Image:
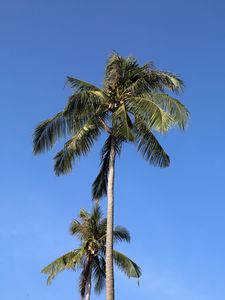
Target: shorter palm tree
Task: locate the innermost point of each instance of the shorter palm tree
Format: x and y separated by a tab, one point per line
90	256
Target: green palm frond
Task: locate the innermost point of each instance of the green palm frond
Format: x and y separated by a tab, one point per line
49	131
80	85
121	124
174	107
91	225
85	105
121	234
161	80
77	229
101	230
96	214
149	147
80	144
70	260
85	275
113	71
99	186
99	274
119	70
152	114
130	268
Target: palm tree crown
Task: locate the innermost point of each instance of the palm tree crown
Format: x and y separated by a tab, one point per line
130	106
90	229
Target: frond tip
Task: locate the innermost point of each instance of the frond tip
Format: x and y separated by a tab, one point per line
149	147
80	144
130	268
49	131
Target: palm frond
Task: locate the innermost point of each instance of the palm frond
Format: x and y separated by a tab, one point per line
137	81
130	268
82	106
121	234
149	147
80	144
121	124
174	107
77	229
96	214
85	276
80	85
119	70
153	115
99	273
49	131
113	71
161	80
99	186
70	260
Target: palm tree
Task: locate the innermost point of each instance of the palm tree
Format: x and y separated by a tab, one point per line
132	104
90	256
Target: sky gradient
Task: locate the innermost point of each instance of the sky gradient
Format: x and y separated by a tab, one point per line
176	216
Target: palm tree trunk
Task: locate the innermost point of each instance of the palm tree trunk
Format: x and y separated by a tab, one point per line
109	231
88	289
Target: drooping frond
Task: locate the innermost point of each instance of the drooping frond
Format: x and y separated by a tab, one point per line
80	144
99	273
80	85
161	80
85	276
70	260
149	147
130	268
121	234
137	80
174	107
49	131
85	104
99	186
152	114
121	124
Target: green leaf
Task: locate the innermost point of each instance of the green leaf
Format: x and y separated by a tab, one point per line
161	80
68	261
80	144
99	186
174	107
80	85
99	274
85	105
152	114
49	131
121	234
149	147
130	268
121	124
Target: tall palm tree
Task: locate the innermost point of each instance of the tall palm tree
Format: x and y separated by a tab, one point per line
90	256
131	105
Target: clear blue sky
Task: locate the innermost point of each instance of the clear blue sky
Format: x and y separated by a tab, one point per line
176	216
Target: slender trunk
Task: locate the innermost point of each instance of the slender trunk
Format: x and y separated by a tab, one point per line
110	219
88	289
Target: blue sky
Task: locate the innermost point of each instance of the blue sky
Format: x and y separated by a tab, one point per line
176	216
